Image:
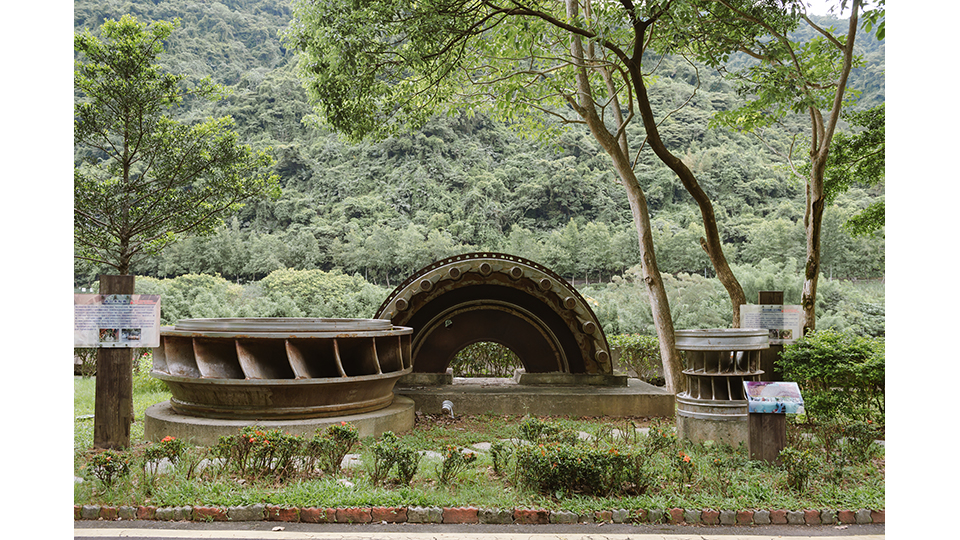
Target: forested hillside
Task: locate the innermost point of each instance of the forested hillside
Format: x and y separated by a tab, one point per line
382	209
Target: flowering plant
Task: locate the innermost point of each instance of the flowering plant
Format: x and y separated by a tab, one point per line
169	447
332	445
108	465
258	452
685	466
576	468
390	452
455	459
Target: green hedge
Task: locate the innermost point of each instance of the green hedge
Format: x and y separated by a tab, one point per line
841	375
639	354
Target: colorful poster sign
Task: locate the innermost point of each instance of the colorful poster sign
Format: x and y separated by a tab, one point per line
782	322
773	397
116	320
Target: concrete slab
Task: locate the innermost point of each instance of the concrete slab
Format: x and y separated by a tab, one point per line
160	420
503	396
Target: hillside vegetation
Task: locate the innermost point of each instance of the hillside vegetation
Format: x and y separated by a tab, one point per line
382	209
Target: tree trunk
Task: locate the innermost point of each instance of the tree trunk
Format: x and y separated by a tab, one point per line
113	401
813	227
816	201
672	364
659	305
711	243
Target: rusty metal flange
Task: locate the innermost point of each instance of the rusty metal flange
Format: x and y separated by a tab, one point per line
501	298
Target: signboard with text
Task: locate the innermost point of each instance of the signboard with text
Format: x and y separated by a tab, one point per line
783	322
116	320
773	397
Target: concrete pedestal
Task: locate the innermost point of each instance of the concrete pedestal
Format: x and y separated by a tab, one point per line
161	420
503	396
701	420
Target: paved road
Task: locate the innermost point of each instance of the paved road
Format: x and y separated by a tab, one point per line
148	530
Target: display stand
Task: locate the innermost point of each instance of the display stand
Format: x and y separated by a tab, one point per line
768	406
768	436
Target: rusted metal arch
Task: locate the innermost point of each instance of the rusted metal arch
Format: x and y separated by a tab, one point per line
510	300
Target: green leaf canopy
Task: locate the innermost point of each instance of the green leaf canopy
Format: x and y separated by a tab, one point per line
142	178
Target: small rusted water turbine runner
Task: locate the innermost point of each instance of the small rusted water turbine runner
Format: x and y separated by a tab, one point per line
281	368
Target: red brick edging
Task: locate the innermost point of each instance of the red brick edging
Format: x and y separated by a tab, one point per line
520	516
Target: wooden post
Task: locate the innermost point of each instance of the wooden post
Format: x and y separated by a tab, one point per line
768	436
769	356
113	402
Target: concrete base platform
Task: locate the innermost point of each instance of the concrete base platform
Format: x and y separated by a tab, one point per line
503	396
160	420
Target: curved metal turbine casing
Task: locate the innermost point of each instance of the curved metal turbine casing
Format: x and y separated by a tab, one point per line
501	298
281	368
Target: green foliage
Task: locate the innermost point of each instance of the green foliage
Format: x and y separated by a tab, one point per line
661	438
108	466
258	453
654	479
143	179
561	468
534	429
685	466
454	460
332	445
88	361
847	445
284	293
840	374
420	177
143	382
325	294
390	453
485	359
501	453
859	158
469	182
724	463
799	465
639	354
169	447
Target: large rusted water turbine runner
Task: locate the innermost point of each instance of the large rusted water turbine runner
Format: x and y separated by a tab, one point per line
281	368
504	299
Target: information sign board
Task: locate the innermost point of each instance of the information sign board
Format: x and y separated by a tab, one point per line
773	397
783	322
116	320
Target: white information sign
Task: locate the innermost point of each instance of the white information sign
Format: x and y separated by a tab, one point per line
116	320
783	322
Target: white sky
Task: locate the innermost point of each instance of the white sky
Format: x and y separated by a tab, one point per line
821	7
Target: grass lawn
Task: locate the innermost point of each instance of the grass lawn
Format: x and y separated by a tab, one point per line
714	477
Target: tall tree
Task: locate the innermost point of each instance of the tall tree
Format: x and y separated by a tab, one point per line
808	77
374	68
142	179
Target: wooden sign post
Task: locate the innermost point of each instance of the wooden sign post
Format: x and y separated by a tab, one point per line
113	402
768	436
768	357
768	404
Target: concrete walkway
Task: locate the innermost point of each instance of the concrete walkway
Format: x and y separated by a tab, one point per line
301	531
